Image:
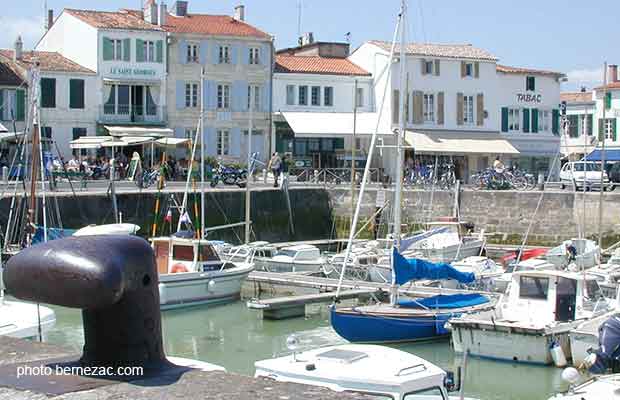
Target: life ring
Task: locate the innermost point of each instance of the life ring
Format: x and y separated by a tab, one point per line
176	268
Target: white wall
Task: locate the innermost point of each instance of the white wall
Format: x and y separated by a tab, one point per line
74	39
612	113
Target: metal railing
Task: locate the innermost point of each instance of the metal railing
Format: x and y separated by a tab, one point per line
127	113
334	176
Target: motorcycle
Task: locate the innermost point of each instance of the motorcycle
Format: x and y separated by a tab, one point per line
229	176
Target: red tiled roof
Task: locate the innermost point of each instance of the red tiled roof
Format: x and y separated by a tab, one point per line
317	65
610	85
221	25
517	70
9	74
439	50
576	97
48	61
123	19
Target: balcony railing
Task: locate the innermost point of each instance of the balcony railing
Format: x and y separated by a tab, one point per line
131	114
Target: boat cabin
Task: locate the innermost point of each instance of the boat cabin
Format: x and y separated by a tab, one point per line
179	255
248	252
546	296
302	252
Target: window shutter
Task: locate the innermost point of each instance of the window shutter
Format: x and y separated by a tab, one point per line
215	53
459	108
463	69
614	133
239	101
159	52
126	49
476	69
245	54
423	65
235	142
182	51
555	121
76	93
48	92
420	95
108	51
535	115
504	119
607	100
266	98
573	127
139	50
416	117
395	106
265	55
590	120
2	113
480	109
437	63
234	57
204	47
526	120
440	108
180	95
601	129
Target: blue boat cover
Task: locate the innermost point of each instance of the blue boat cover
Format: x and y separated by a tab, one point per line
406	270
608	353
446	301
610	155
52	234
407	242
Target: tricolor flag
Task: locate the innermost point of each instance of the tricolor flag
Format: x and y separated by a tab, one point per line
168	217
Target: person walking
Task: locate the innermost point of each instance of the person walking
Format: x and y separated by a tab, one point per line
275	163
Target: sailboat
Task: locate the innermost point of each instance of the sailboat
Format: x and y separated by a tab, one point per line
411	319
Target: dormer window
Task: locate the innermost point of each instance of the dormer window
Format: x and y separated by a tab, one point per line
469	69
530	83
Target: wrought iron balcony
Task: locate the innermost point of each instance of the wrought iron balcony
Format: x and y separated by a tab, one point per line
132	114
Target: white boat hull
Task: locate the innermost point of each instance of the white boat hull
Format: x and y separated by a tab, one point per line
196	288
287	267
20	320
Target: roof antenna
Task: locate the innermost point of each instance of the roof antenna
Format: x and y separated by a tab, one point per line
299	9
45	27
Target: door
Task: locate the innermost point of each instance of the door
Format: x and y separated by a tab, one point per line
565	298
161	257
137	103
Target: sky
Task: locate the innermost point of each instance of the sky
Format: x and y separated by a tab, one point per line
573	37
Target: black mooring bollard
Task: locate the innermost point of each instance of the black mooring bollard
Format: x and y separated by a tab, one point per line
113	279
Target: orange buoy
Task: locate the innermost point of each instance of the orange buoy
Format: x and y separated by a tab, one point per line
176	268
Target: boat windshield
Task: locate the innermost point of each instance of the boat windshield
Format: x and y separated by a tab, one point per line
288	253
593	289
589	167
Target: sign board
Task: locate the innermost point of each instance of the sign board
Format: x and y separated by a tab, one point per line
529	98
134	72
380	200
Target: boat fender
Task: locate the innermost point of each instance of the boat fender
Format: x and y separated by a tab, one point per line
310	367
176	268
559	359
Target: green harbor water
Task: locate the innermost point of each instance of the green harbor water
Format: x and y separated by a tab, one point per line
234	337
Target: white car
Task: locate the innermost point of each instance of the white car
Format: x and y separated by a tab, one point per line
582	173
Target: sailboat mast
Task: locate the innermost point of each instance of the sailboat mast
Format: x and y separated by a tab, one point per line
202	154
398	173
248	193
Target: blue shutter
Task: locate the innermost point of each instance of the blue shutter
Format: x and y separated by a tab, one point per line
258	145
204	47
180	95
2	108
210	94
237	95
235	142
215	53
245	54
183	51
180	133
210	138
234	57
266	97
265	54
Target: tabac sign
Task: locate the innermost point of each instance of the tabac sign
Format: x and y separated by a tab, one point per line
132	72
529	98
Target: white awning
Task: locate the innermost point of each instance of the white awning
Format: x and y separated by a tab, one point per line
88	142
459	143
127	141
11	136
171	141
139	131
326	124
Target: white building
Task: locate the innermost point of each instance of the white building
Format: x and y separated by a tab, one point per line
579	138
315	91
67	95
237	62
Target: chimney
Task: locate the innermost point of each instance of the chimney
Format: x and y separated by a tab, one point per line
50	19
613	73
306	39
239	13
179	8
150	11
19	49
163	13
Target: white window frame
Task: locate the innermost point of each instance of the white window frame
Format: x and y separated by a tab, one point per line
149	50
191	95
305	96
193	53
254	90
359	97
584	124
543	120
469	70
328	90
290	95
314	103
254	56
469	109
117	49
223	142
223	96
609	135
224	54
514	119
428	107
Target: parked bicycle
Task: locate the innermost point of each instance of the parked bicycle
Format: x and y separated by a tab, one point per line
147	178
507	179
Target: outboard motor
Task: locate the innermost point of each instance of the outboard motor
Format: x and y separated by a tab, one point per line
608	353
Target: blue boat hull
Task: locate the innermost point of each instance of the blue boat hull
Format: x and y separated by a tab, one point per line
372	328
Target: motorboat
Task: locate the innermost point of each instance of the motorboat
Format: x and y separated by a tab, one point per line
606	387
409	319
585	337
522	255
377	371
360	266
608	277
192	273
109	229
500	283
301	258
584	253
21	320
533	319
253	252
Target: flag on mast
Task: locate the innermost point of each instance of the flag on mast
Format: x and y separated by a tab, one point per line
168	217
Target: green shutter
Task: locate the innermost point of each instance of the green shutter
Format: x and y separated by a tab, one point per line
526	120
573	126
590	119
139	50
555	121
108	50
2	113
504	119
614	132
534	120
601	129
20	108
48	92
159	45
76	93
126	49
607	100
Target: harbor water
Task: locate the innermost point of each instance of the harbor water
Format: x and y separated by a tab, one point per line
234	337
